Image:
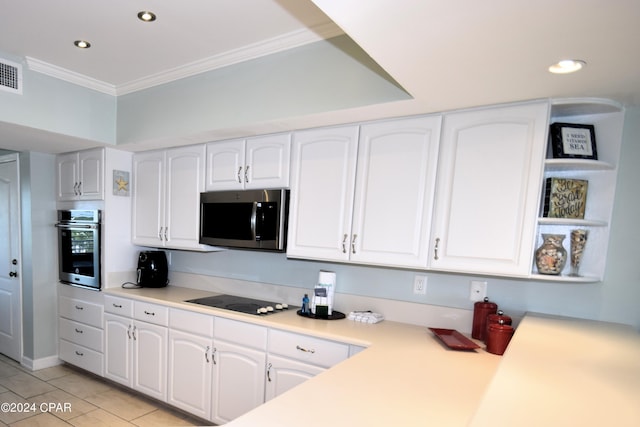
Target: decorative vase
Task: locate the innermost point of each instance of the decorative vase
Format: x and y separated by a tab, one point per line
578	241
551	256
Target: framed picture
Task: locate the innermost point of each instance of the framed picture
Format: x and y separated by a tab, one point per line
120	183
573	141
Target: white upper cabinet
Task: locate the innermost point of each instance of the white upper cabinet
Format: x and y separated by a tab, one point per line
395	182
166	197
80	175
323	170
261	162
377	215
489	180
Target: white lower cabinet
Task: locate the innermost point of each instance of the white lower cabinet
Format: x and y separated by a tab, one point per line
136	351
80	331
295	358
284	374
190	362
239	356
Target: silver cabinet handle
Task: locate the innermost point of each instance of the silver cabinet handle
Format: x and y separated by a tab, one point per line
134	334
344	241
166	231
149	313
305	350
75	188
239	172
80	188
206	354
213	355
79	353
353	243
79	331
160	233
246	173
79	307
269	372
435	249
129	331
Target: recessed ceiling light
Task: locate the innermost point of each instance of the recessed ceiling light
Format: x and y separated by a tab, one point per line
567	66
146	16
82	44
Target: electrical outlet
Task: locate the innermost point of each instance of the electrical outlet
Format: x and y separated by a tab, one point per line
477	290
420	284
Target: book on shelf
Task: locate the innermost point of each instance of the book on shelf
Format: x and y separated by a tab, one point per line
565	198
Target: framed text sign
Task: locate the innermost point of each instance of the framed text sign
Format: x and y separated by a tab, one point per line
575	141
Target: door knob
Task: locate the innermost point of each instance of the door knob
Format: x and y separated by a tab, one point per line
13	274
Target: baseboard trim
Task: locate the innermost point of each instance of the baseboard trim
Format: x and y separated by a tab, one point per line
37	364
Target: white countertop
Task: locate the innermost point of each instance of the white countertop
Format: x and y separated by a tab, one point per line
555	372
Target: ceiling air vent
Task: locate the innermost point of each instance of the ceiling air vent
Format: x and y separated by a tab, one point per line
10	76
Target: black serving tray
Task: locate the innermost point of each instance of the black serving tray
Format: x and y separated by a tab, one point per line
335	315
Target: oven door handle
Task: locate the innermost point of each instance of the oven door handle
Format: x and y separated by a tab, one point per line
254	219
76	226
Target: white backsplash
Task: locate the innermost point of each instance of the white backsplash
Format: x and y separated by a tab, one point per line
398	311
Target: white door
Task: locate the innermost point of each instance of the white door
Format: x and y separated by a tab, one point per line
284	374
238	381
225	165
148	199
185	169
91	174
323	170
10	261
489	179
395	182
190	366
150	359
267	161
118	332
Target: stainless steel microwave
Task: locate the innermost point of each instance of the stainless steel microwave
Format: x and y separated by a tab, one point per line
250	219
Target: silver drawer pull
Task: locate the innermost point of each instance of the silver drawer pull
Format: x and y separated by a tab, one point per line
79	307
149	313
79	353
80	331
305	350
117	305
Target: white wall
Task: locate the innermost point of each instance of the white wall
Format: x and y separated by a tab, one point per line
615	299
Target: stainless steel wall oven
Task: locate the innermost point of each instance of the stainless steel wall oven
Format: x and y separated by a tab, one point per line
79	247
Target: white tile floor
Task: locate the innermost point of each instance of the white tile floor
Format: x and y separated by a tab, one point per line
63	396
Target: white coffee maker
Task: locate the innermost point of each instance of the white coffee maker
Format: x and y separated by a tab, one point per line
322	300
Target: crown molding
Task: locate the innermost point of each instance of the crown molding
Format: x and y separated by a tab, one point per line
267	47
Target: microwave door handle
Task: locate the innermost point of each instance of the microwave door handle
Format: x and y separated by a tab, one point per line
76	226
254	221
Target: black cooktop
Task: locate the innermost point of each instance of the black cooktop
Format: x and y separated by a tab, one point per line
241	304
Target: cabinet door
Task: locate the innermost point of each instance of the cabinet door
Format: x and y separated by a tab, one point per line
225	165
150	359
323	168
148	198
489	176
284	374
395	184
117	349
68	174
190	367
238	381
185	170
91	182
267	161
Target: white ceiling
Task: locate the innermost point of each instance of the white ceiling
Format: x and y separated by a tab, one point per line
446	54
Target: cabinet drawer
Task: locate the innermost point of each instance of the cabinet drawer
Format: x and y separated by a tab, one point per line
308	349
82	357
79	333
81	311
192	322
242	333
119	306
152	313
